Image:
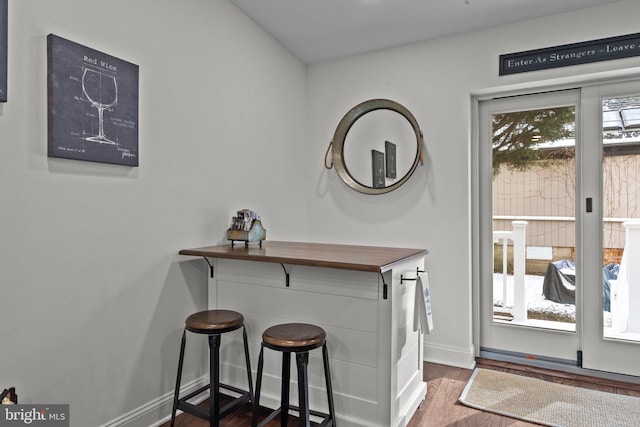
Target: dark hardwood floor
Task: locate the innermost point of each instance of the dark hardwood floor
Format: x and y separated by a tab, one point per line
441	407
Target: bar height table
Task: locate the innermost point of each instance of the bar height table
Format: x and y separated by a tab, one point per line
353	292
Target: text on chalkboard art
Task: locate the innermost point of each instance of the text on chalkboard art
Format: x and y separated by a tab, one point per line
102	64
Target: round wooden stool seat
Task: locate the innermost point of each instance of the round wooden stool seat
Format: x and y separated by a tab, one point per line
214	321
294	337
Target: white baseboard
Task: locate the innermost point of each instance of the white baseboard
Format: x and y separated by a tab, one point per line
158	411
454	356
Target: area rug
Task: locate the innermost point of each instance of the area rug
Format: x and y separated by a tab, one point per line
546	403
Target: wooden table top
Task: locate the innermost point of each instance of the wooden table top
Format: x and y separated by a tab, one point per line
346	257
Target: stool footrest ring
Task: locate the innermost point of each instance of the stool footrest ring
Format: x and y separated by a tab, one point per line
183	405
326	418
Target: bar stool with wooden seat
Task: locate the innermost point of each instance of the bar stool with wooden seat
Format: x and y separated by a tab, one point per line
213	323
298	338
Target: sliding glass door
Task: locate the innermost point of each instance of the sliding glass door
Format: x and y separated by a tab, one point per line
528	202
612	230
559	227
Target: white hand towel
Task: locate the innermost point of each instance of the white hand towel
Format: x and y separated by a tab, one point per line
422	319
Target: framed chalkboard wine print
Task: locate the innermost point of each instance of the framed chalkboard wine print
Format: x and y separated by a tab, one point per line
93	104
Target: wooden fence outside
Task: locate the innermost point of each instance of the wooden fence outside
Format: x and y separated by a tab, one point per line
544	196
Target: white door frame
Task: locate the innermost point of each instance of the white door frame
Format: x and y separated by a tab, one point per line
587	185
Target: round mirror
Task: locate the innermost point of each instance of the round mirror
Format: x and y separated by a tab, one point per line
377	146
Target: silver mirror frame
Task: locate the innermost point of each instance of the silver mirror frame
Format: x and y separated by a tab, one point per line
345	125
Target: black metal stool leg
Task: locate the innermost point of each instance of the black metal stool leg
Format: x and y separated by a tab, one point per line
298	338
179	377
286	378
327	377
248	362
302	361
256	403
214	373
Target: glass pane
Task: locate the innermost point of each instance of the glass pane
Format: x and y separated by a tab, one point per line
621	218
533	194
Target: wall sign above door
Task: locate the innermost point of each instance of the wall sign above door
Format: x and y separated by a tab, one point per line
571	54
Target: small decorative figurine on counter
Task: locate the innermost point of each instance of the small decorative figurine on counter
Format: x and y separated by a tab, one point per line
246	227
9	396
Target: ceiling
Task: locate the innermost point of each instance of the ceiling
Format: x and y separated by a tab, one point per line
320	30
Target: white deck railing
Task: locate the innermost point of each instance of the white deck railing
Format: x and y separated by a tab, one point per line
625	291
517	236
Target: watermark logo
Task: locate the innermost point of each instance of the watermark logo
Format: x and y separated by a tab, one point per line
34	415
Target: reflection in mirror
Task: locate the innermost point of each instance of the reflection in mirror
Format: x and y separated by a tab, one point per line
370	132
376	146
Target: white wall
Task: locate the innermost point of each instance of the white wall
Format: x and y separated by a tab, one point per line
435	80
93	295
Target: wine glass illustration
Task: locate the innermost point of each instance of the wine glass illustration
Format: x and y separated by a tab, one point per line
380	174
102	91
